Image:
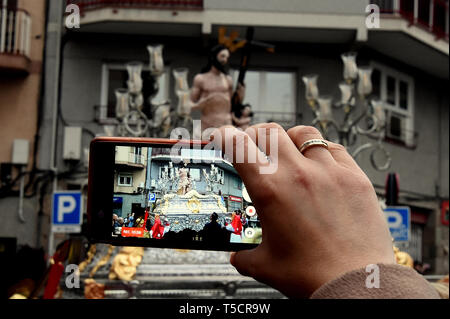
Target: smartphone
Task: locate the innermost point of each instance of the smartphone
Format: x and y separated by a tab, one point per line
168	194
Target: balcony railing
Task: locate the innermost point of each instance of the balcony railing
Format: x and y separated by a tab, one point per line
431	15
15	31
86	5
134	158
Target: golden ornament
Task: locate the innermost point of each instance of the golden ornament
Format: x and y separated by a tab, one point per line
403	258
125	263
194	205
93	290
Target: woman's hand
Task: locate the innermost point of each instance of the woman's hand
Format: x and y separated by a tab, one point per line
319	213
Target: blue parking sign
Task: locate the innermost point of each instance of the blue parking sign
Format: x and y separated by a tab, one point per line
66	208
152	197
399	222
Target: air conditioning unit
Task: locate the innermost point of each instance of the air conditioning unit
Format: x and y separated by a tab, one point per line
398	128
72	143
395	126
20	152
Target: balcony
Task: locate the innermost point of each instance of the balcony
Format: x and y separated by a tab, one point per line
15	36
87	5
429	15
134	158
410	30
288	21
136	161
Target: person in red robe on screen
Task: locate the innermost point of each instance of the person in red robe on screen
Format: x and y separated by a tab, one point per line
237	226
158	228
145	219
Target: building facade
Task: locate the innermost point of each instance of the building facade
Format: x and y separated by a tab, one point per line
130	179
22	43
139	172
408	52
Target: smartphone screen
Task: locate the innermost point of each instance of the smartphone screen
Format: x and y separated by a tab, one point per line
181	197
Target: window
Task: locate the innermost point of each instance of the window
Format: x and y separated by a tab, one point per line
403	95
397	91
115	76
162	169
407	9
237	183
136	156
195	174
272	96
440	18
125	180
233	205
376	81
138	150
10	4
222	176
390	98
200	154
385	5
424	12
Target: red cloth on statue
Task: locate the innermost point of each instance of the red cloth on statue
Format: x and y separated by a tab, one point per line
56	272
145	219
157	229
237	225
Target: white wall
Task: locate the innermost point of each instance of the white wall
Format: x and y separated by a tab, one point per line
356	7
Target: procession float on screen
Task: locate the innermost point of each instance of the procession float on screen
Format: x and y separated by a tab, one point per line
192	195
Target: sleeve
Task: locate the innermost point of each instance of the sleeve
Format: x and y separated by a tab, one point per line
155	226
390	282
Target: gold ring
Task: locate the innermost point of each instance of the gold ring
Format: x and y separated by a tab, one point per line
314	142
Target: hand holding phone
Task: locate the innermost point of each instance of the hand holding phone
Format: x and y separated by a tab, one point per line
319	213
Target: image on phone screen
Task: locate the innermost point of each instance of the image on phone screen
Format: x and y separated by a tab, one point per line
186	195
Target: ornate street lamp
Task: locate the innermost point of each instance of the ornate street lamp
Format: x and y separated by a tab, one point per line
212	178
355	99
132	118
182	116
168	177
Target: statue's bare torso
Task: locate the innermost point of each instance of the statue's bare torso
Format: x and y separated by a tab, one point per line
211	94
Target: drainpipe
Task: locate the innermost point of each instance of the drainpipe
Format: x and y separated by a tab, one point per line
37	136
22	186
57	29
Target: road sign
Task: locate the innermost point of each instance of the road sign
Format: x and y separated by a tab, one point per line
235	199
152	197
66	212
399	222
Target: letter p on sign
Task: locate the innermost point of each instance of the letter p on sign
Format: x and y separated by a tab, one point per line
66	205
66	208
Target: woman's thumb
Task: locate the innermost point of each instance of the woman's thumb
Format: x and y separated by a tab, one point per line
244	261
